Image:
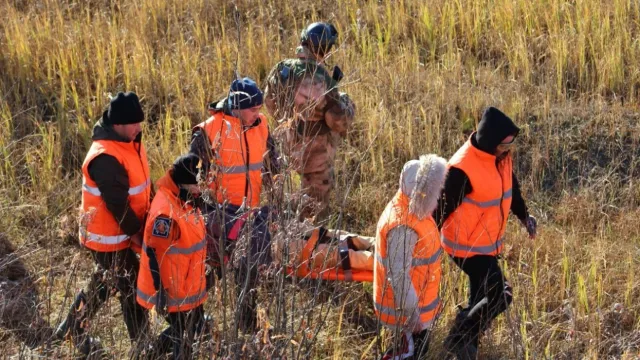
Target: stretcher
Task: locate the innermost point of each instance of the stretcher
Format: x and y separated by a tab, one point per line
306	265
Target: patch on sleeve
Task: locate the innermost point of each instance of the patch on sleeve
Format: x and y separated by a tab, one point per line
161	227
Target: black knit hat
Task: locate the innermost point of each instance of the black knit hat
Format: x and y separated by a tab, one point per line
185	169
124	109
244	94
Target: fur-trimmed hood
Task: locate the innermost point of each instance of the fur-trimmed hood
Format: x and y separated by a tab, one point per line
422	182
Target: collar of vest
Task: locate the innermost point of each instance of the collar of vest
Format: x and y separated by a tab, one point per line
401	199
235	119
482	155
102	131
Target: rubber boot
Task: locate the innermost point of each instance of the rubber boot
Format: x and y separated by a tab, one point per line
421	344
462	340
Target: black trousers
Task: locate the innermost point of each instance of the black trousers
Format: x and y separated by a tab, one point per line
181	333
489	293
115	272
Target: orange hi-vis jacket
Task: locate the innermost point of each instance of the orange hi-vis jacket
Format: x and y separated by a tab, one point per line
478	225
424	269
99	230
238	157
176	233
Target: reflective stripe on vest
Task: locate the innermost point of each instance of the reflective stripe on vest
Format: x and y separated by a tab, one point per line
415	262
241	169
486	204
184	251
193	299
104	239
483	250
400	312
132	191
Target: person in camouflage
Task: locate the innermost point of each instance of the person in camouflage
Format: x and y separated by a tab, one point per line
313	115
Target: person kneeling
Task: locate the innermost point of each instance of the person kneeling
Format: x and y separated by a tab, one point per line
407	259
172	267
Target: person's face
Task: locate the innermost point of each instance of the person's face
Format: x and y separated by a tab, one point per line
248	116
505	145
128	131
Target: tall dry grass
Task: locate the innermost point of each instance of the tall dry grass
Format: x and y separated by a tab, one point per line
420	74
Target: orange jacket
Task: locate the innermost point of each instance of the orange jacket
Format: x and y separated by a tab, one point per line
238	157
424	269
175	232
478	225
99	230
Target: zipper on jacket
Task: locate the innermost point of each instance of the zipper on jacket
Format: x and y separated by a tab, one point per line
246	187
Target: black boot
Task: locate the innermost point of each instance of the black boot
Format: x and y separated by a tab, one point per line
421	344
462	340
248	319
73	326
77	306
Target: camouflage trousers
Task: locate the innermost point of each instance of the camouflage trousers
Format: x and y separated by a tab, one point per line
318	186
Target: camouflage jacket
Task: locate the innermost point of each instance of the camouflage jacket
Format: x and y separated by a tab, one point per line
301	92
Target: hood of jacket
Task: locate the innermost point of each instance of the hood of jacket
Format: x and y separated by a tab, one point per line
492	129
422	181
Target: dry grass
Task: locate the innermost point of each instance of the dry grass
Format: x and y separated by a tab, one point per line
420	73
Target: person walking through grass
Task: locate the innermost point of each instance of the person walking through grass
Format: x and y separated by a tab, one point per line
480	191
116	193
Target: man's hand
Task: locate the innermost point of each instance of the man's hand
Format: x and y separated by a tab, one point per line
532	226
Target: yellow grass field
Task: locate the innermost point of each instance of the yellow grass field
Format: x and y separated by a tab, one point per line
420	74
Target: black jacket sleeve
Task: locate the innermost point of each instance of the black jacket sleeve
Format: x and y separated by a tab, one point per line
518	206
456	187
200	146
113	182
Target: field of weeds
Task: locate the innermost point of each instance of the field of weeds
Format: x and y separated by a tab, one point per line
420	74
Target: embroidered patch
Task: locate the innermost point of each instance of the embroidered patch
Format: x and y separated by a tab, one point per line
161	227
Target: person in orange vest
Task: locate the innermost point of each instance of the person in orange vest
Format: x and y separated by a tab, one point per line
116	193
237	152
407	259
479	192
172	265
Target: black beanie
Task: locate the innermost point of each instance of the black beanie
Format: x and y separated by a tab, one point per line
493	128
244	94
185	169
124	109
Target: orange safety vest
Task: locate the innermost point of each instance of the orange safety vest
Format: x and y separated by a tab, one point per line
181	260
99	230
478	225
424	271
238	156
